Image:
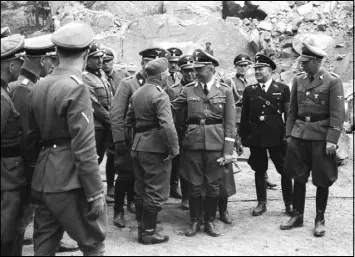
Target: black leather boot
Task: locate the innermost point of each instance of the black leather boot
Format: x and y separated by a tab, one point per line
131	207
195	207
260	186
223	211
63	247
295	221
286	186
319	226
174	193
321	204
118	218
139	212
149	220
202	210
184	193
210	207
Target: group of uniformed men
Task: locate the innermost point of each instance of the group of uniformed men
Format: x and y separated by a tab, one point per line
63	105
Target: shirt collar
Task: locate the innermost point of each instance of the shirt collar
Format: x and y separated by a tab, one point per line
267	84
209	83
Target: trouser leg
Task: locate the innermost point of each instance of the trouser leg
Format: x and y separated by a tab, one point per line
260	186
110	170
120	192
101	136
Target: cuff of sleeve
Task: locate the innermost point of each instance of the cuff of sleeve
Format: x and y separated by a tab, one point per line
92	183
228	145
333	136
91	199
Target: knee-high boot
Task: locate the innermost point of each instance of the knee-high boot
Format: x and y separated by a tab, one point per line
210	207
286	186
149	219
321	204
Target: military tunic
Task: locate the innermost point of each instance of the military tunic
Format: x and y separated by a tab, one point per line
173	79
118	114
12	167
213	139
316	115
154	140
67	172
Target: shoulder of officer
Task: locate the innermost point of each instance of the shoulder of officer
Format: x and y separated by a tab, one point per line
224	85
191	84
301	73
85	72
334	74
76	79
159	88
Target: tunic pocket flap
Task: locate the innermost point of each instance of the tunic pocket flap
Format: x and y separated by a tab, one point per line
11	163
193	99
219	100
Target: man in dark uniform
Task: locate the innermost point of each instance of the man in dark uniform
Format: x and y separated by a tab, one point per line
238	83
101	96
155	145
123	137
188	75
314	123
13	180
66	184
114	77
210	135
174	72
263	129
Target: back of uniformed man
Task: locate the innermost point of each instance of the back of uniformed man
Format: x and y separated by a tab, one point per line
13	180
66	184
155	144
101	97
123	137
263	130
188	75
210	135
314	123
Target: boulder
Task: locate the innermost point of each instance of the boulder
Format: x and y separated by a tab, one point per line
303	9
289	30
322	25
319	39
280	27
187	10
265	25
270	7
246	21
311	16
299	3
167	31
329	7
234	20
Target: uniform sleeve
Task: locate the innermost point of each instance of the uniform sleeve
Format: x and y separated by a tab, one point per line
100	113
336	111
245	125
286	101
81	128
130	119
229	123
118	111
292	109
33	135
228	82
5	112
163	109
180	101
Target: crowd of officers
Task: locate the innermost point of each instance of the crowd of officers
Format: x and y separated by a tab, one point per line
63	106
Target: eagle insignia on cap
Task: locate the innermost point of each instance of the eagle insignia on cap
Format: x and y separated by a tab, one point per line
158	51
173	51
316	96
243	58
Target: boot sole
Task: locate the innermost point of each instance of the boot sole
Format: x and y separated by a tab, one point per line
213	235
149	242
319	234
290	227
119	226
258	214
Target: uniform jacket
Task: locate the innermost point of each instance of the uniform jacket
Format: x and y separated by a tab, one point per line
268	132
12	170
20	91
218	104
101	96
60	108
238	85
323	97
173	79
150	106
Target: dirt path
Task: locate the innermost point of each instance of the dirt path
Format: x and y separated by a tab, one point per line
247	235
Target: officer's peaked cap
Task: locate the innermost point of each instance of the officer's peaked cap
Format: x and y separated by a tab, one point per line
5	32
175	54
201	59
12	46
262	61
41	45
311	52
153	53
186	62
242	58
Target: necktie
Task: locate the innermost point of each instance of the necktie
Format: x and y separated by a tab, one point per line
311	78
263	87
205	89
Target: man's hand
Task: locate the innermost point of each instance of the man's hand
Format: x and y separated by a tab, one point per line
238	146
288	140
170	156
120	148
330	148
226	159
97	207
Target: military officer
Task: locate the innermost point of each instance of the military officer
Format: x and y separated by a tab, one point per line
238	83
101	97
13	180
262	129
114	77
123	137
314	122
5	32
188	75
174	72
66	183
210	135
155	144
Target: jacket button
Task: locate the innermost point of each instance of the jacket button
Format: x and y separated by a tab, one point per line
54	146
263	105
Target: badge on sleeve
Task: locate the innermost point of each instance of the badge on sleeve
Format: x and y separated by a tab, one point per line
86	117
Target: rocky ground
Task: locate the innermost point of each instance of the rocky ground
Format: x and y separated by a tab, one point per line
247	235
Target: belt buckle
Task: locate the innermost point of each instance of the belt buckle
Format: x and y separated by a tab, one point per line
307	118
202	121
262	118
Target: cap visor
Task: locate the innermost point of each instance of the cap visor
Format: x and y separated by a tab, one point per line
186	66
95	54
260	65
243	63
304	59
107	58
173	59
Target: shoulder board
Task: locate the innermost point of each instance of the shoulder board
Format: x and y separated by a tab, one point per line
334	74
159	88
25	82
77	80
128	78
85	72
300	73
191	84
224	84
175	85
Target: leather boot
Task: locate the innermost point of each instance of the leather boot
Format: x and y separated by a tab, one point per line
149	235
210	207
131	207
184	204
174	193
223	212
195	207
63	247
139	212
286	186
321	204
27	241
295	221
260	186
319	227
18	245
259	209
269	184
118	219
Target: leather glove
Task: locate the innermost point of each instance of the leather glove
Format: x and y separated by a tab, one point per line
120	148
330	148
226	159
97	207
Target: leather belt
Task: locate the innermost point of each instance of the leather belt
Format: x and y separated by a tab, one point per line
198	121
261	118
55	142
146	128
9	152
313	118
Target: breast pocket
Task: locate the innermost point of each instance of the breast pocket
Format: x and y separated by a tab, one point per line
194	104
301	95
219	104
